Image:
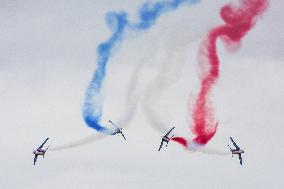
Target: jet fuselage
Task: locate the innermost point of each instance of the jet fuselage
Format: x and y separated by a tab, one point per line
39	152
237	151
166	139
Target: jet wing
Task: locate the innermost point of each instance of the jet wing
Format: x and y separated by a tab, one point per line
113	124
240	158
161	145
122	135
42	144
35	158
170	131
234	144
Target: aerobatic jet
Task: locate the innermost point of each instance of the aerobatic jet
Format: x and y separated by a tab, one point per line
166	138
237	151
39	151
118	130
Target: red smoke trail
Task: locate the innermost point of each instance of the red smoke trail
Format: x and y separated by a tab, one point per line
180	140
238	21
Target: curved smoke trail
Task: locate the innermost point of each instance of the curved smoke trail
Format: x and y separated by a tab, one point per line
92	108
118	22
169	73
86	140
132	97
238	21
133	93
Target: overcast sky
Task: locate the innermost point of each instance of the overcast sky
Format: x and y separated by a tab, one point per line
48	55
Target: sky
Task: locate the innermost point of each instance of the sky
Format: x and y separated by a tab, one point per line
48	54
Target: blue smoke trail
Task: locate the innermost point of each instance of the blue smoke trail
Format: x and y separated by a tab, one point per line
118	23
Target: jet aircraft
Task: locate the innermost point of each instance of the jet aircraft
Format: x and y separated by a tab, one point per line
166	138
237	150
118	130
39	151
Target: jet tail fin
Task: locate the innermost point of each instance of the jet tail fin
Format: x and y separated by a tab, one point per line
231	150
45	151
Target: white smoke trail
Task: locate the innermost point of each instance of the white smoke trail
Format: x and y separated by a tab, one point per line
83	141
194	147
132	98
169	73
177	39
213	152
